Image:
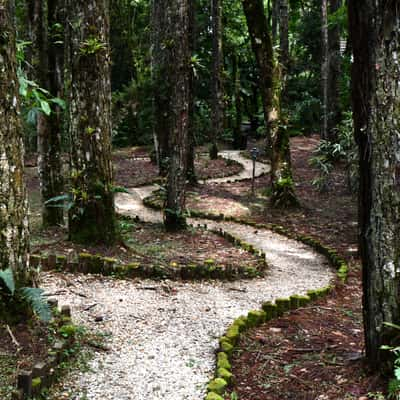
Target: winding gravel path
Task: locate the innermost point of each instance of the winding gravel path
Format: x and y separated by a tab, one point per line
164	334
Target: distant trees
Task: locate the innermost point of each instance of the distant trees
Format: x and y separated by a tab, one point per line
217	121
375	36
330	71
92	215
46	32
14	237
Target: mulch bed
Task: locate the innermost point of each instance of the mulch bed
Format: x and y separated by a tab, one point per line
33	340
151	244
135	169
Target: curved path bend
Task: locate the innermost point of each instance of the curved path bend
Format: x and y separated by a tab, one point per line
164	334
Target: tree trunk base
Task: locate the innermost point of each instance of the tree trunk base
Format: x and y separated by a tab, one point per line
174	222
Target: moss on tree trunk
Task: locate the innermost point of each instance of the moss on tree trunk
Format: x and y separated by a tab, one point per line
92	213
14	233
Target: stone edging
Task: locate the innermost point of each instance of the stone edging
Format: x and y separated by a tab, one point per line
338	262
95	264
223	375
42	375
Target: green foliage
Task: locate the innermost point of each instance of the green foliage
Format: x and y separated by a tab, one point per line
34	297
394	383
328	153
7	277
13	296
34	99
92	46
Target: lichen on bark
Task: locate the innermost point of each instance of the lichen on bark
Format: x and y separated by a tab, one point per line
14	232
92	213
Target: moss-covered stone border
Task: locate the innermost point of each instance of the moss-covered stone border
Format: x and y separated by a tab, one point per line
331	254
43	374
87	263
227	343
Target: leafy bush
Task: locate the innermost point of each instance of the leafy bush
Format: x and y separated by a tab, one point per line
394	383
13	297
328	153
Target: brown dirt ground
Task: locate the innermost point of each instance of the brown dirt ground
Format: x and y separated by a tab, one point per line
33	342
316	352
311	353
132	170
150	243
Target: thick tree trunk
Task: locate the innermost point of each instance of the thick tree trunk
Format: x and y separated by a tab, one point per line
324	69
217	121
162	86
14	237
178	36
262	47
92	216
375	36
47	68
334	113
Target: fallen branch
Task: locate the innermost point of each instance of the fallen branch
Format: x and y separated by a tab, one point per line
14	340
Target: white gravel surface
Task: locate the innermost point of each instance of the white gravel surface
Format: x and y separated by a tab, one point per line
164	334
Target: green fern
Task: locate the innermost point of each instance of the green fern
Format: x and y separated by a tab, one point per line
34	296
7	276
393	389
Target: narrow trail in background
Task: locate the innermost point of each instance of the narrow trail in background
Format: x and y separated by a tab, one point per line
164	334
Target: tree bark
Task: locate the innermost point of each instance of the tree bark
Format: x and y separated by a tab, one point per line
324	69
261	43
281	169
239	137
92	215
334	113
217	121
14	237
48	67
162	86
179	51
191	154
375	35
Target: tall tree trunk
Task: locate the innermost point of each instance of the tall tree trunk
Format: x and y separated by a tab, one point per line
239	137
14	238
178	37
284	38
92	216
191	154
334	113
275	19
217	121
47	59
162	86
281	167
324	69
262	47
281	176
375	35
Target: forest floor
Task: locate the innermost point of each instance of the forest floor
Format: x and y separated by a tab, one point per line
311	353
141	243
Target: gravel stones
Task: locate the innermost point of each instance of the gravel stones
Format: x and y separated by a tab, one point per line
162	343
